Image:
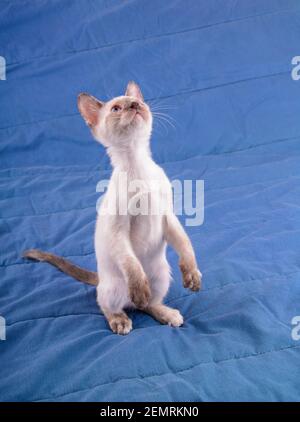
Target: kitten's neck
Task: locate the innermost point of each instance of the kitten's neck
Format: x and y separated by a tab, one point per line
131	157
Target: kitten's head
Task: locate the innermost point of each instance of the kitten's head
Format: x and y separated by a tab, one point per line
120	121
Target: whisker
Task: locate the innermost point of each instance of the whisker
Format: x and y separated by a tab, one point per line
161	109
162	125
155	113
161	121
164	120
166	117
160	103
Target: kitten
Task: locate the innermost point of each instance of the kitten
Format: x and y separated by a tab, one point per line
133	271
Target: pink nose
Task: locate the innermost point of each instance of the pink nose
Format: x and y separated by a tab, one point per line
135	105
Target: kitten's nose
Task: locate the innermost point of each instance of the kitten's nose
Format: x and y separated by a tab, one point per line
135	105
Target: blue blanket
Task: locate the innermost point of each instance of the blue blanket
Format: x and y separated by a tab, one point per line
223	70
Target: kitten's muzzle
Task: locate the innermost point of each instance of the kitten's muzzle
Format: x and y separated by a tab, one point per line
135	105
135	108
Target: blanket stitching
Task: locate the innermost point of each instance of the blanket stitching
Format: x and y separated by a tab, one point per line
177	94
71	171
153	37
140	378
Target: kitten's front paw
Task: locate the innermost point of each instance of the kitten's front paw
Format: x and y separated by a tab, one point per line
140	294
192	277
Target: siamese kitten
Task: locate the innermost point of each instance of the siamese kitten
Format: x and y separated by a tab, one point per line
132	269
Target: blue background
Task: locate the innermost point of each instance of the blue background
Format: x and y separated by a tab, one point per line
223	69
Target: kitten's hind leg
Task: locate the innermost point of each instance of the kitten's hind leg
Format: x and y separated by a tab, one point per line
112	297
165	315
119	322
158	271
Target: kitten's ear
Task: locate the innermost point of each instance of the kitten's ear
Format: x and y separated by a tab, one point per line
133	90
89	108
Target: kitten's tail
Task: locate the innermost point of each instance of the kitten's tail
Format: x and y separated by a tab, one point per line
63	265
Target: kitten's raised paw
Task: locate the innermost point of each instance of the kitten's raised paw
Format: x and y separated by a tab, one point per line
120	323
140	294
192	278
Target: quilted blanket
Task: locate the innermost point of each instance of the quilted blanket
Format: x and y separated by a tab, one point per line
224	71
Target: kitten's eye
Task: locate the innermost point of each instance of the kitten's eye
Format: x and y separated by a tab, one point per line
116	108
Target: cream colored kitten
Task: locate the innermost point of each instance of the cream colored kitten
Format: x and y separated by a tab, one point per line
133	271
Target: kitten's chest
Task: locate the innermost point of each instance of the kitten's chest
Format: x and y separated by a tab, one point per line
144	186
149	200
148	197
146	234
